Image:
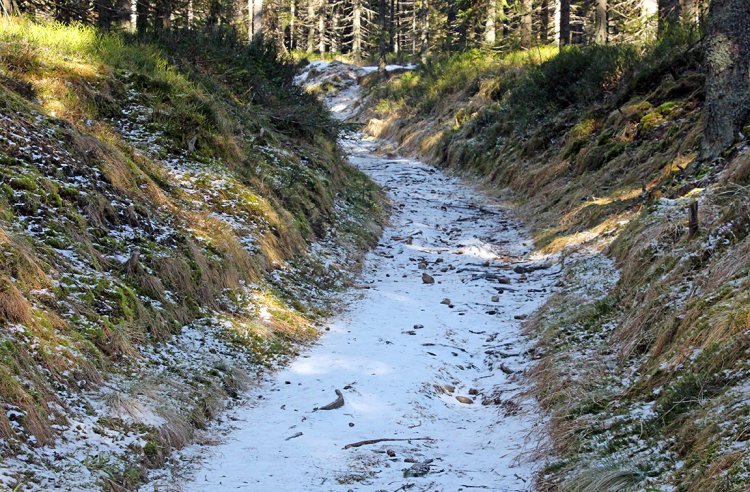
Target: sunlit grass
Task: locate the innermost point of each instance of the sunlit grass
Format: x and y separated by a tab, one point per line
60	61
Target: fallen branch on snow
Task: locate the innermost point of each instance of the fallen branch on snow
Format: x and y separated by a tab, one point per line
338	403
386	439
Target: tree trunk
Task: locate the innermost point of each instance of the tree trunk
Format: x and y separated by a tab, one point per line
451	26
690	11
490	34
669	13
357	30
142	9
382	34
8	7
104	12
391	25
335	46
292	24
424	40
544	21
600	22
310	21
727	107
163	14
321	26
255	20
564	23
526	23
649	11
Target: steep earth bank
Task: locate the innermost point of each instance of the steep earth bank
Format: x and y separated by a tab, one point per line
646	338
168	229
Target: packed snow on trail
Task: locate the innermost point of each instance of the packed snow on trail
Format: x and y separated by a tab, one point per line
418	384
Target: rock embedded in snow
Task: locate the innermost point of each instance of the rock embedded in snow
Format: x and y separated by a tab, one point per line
418	469
465	400
427	278
446	301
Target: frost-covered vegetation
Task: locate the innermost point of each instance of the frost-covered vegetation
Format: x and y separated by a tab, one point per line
169	225
645	343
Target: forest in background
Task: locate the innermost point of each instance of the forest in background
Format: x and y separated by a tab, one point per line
366	29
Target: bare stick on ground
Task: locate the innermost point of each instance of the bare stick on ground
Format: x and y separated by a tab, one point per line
375	441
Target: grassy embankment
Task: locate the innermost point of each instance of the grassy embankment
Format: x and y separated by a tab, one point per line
644	376
143	186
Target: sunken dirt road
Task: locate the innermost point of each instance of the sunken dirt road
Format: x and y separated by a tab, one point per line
427	358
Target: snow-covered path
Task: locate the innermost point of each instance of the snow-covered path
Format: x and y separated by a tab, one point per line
428	353
411	359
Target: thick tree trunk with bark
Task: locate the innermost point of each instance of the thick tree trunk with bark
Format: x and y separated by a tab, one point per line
727	107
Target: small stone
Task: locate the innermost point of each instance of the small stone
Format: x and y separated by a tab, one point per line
464	399
446	301
473	391
418	327
495	298
391	453
521	316
351	424
427	278
503	280
418	469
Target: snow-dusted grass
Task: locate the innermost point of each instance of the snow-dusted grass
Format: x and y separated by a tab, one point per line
147	275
